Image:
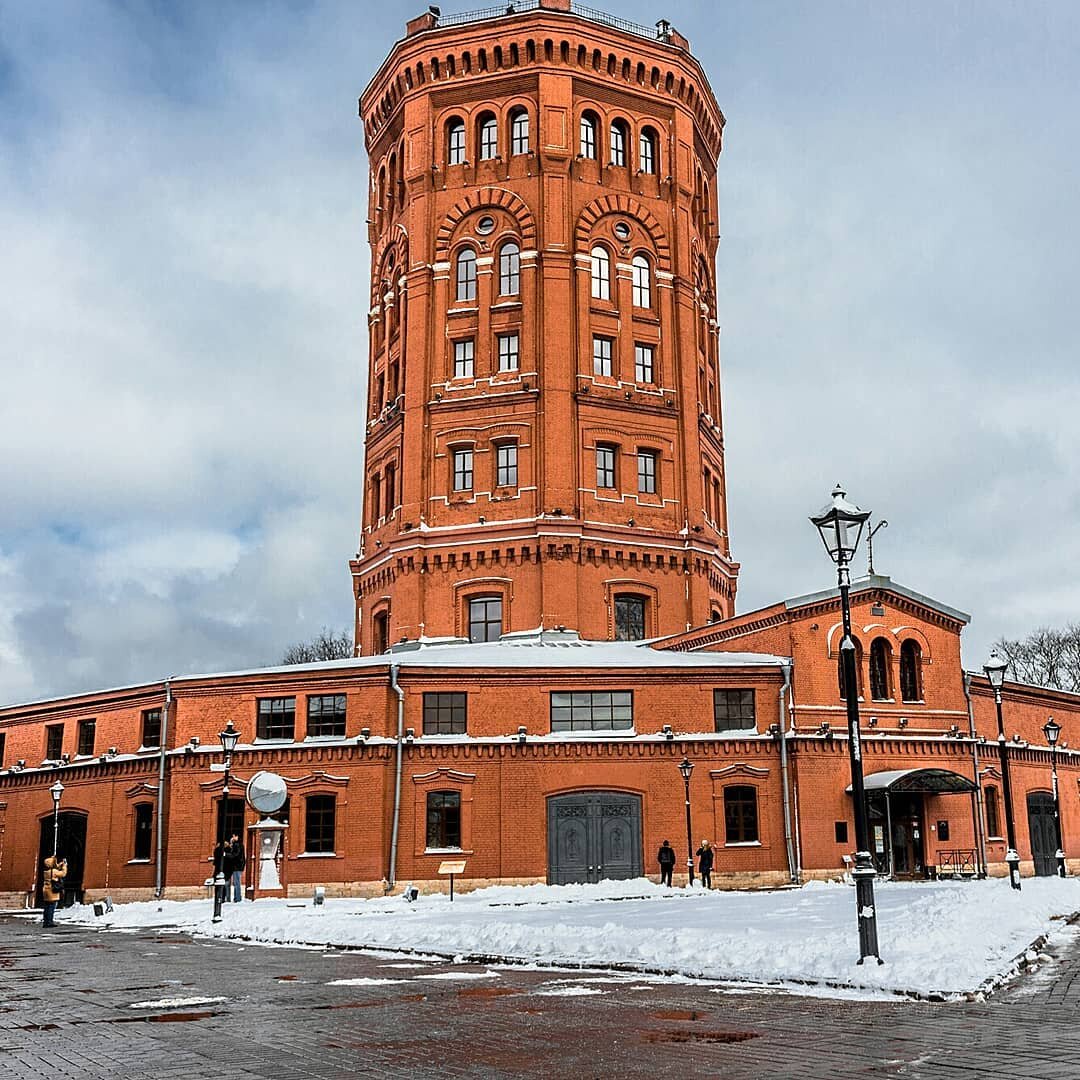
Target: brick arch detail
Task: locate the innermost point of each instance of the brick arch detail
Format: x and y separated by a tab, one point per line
496	198
623	204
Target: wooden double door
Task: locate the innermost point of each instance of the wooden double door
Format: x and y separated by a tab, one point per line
593	835
1042	829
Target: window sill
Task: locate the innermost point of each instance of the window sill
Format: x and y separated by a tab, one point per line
447	851
325	738
148	749
736	732
284	740
995	839
744	843
611	733
317	855
139	862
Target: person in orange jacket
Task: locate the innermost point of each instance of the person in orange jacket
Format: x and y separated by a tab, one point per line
52	887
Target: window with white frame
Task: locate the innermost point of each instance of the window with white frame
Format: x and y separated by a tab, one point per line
455	143
466	275
605	466
592	710
601	356
464	355
519	132
646	472
647	151
587	147
509	352
463	470
618	143
642	282
600	273
489	138
509	269
643	362
506	465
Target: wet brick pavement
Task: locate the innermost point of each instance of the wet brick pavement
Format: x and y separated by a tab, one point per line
66	997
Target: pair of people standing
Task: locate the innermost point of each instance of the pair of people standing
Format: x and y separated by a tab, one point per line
230	858
666	858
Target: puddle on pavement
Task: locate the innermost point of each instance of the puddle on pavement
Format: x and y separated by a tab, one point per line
678	1014
700	1036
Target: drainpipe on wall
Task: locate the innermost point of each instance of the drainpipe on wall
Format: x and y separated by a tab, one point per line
159	864
392	875
977	795
793	868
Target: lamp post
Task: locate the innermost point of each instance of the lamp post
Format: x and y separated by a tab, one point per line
995	673
229	738
56	791
686	767
840	524
1052	729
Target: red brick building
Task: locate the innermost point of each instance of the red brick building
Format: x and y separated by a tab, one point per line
544	491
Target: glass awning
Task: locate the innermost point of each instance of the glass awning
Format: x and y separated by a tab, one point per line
925	781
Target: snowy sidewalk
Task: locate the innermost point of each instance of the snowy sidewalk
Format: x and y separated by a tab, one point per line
940	937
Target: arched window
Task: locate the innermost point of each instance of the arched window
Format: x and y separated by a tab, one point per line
858	671
629	618
466	275
618	143
642	282
879	670
443	820
647	147
380	632
588	130
489	137
509	269
455	142
601	274
740	815
911	671
993	820
519	132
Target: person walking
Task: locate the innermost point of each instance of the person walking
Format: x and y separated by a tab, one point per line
705	861
52	888
666	858
235	861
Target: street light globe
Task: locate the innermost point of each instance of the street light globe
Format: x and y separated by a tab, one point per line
1051	729
229	738
840	524
686	767
995	669
56	791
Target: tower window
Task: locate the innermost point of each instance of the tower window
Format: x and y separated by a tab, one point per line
588	136
464	352
605	466
380	632
910	671
463	470
489	138
643	363
509	352
629	618
506	468
519	132
485	618
618	143
647	151
466	275
642	282
600	271
509	270
879	670
646	472
601	356
455	142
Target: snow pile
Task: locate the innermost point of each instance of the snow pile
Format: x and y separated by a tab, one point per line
941	936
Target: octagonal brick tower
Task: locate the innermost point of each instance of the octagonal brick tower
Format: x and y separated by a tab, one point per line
544	444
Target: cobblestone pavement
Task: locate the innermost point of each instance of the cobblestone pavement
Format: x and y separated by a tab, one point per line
67	997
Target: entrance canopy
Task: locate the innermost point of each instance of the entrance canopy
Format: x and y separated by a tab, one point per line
922	781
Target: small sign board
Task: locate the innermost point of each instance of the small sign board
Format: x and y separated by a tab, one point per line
452	866
217	766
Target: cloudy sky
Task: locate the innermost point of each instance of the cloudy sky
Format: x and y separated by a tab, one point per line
184	282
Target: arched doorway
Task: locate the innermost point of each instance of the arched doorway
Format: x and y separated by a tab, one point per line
70	845
593	835
1043	831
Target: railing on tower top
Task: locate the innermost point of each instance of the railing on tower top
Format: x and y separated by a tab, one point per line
520	6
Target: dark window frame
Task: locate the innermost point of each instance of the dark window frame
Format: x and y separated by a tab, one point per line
741	818
911	689
465	358
631	613
142	840
506	465
519	131
648	469
840	832
603	352
455	142
488	140
992	807
273	707
151	728
734	708
54	741
320	824
86	737
443	821
587	136
606	461
320	717
880	662
446	712
465	276
644	362
463	463
510	269
481	620
509	348
591	710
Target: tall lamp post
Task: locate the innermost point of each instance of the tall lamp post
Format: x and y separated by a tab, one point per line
841	524
56	791
686	767
229	738
1052	729
995	673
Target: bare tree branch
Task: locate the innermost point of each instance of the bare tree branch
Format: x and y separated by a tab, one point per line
326	645
1046	657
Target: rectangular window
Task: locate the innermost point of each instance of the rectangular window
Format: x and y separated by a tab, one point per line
506	457
326	715
840	831
276	718
943	831
489	140
519	133
733	710
643	363
605	466
464	353
592	710
54	742
144	832
151	727
601	356
629	618
485	618
646	472
463	470
85	745
444	714
740	815
509	352
319	821
444	819
993	822
3	740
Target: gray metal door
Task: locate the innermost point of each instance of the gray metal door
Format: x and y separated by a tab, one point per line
1040	806
594	835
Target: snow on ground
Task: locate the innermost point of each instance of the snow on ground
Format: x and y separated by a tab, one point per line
935	936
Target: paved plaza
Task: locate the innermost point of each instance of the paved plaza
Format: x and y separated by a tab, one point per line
67	997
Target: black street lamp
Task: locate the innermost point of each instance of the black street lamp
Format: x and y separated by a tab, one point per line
841	524
56	791
229	738
686	767
995	673
1052	729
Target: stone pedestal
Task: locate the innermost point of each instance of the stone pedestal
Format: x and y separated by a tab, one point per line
267	860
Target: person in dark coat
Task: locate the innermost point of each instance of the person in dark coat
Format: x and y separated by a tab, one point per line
705	861
233	864
666	858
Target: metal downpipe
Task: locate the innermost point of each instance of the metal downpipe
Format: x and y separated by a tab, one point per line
391	877
159	855
793	868
977	795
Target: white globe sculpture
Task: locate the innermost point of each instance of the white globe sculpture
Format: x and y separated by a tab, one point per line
266	793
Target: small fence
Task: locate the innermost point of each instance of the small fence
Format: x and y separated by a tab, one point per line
520	6
957	863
